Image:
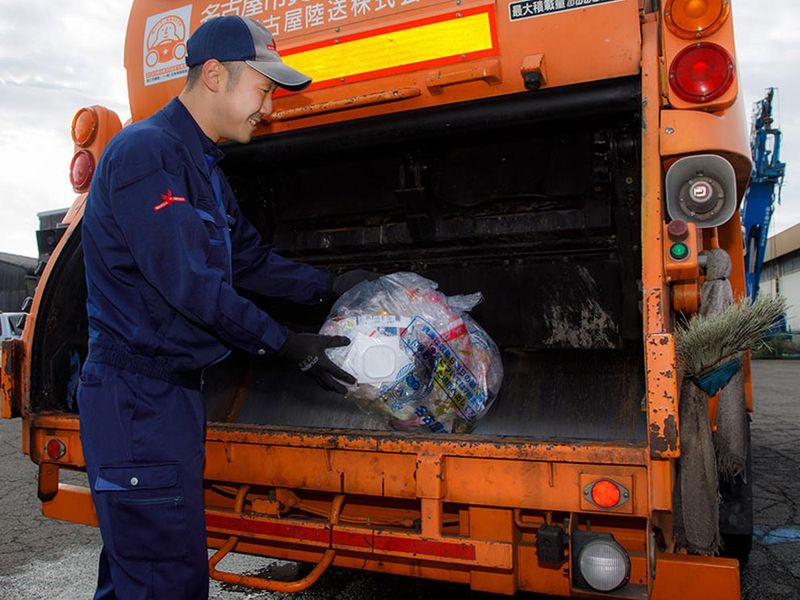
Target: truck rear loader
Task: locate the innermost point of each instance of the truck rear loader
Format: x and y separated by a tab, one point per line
568	158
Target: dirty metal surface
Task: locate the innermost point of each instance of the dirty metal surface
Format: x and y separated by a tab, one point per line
553	395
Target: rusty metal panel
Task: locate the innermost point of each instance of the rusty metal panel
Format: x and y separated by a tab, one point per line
662	395
312	468
11	378
550	486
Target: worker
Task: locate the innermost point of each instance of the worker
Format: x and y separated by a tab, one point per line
166	248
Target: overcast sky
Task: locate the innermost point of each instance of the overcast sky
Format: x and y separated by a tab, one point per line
58	57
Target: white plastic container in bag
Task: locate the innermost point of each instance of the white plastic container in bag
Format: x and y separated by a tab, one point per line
419	359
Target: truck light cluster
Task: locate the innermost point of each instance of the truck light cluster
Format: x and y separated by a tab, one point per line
698	47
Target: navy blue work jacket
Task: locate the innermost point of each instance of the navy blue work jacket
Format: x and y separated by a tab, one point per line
161	279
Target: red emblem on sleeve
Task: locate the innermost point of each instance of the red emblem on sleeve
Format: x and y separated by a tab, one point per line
168	199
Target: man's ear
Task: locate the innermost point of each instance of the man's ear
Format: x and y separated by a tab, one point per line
213	75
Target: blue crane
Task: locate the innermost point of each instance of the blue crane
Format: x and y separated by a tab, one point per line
764	191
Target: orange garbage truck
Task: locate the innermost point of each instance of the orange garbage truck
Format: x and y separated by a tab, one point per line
570	159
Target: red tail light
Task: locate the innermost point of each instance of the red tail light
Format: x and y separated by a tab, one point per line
55	449
701	72
606	493
81	170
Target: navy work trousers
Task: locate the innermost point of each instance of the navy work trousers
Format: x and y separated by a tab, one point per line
143	439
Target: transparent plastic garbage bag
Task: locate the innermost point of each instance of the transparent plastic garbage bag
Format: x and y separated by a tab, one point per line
420	360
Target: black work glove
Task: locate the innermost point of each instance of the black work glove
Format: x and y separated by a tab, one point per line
341	283
307	350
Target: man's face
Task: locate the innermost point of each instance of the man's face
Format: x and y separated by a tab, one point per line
243	101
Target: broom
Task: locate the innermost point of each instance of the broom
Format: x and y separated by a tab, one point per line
709	349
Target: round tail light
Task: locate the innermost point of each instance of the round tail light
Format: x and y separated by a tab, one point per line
81	170
701	72
606	494
84	126
55	448
691	19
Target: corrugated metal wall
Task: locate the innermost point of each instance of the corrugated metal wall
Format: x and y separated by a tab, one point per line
16	280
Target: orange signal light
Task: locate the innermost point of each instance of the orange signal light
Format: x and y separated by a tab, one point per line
84	126
692	19
606	494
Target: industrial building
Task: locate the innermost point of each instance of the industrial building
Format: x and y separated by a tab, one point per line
781	272
17	280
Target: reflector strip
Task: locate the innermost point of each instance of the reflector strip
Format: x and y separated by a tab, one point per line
369	541
437	40
279	530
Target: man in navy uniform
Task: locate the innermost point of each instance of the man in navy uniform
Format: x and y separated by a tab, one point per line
165	249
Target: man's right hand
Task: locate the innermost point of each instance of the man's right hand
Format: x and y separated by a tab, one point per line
307	350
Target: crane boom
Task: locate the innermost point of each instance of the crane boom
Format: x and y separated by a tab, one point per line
764	191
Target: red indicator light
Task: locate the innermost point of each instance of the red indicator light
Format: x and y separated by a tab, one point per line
678	229
701	72
55	449
605	494
81	170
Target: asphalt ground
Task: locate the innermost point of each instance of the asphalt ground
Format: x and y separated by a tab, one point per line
42	558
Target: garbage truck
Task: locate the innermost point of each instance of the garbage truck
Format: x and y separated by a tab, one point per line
570	160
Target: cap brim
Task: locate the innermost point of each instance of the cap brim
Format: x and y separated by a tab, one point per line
282	74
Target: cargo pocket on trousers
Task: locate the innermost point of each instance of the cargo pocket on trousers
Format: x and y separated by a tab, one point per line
148	517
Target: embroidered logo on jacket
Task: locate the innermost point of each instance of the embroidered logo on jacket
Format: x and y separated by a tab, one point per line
168	199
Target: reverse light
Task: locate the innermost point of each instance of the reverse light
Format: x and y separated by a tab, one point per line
691	19
55	449
81	170
701	72
604	565
84	126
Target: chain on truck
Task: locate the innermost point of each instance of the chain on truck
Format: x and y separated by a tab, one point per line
531	149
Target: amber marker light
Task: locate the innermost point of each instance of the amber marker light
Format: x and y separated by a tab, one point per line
701	72
84	127
692	19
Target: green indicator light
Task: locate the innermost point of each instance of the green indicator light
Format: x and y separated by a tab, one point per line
679	251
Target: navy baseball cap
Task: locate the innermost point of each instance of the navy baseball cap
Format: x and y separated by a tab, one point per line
234	38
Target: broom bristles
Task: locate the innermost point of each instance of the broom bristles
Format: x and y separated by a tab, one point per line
704	343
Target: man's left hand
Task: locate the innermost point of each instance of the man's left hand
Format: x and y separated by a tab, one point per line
349	279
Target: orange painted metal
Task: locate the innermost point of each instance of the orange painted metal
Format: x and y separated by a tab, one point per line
686	132
609	33
695	578
345	104
687	268
662	396
656	310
